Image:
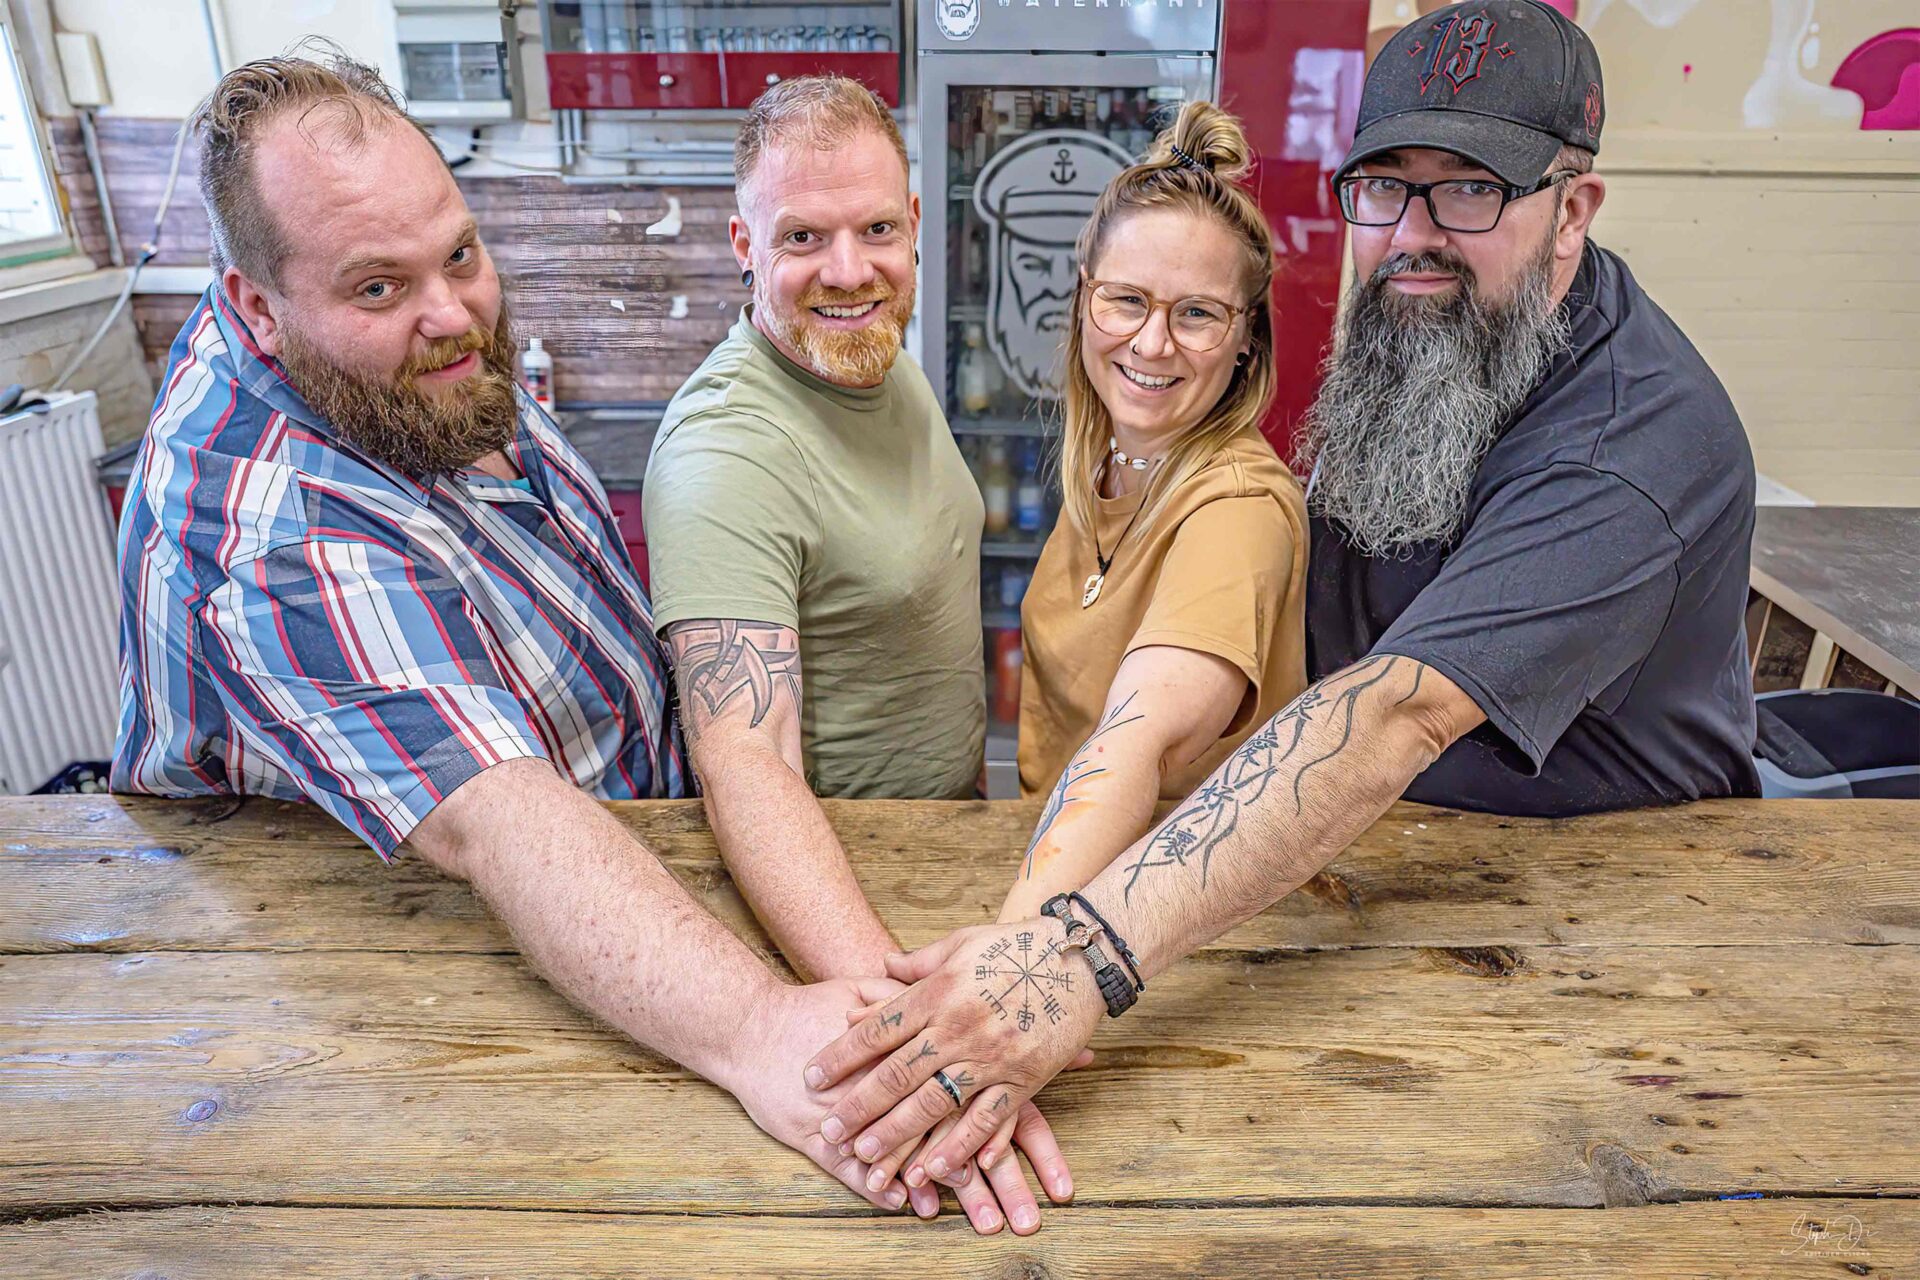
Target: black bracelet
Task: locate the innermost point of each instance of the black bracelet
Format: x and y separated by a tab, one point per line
1119	943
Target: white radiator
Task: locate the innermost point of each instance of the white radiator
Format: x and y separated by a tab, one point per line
59	607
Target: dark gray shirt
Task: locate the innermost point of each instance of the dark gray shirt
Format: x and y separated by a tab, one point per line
1593	603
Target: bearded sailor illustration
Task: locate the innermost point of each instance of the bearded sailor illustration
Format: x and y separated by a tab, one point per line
1035	196
957	19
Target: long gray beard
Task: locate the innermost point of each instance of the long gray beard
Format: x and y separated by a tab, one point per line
1414	395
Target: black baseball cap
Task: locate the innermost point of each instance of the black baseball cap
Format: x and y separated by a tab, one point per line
1502	84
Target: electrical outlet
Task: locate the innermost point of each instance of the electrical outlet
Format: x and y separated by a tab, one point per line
81	68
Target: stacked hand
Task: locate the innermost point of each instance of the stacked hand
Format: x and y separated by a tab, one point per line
1000	1010
792	1023
796	1021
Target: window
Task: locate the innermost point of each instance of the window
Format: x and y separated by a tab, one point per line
31	225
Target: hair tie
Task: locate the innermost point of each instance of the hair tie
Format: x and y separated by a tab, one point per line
1180	154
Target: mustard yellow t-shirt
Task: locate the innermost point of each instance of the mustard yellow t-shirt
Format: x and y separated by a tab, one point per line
1221	569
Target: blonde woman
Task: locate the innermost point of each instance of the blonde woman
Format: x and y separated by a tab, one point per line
1165	620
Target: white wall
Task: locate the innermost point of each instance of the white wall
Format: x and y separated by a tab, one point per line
156	53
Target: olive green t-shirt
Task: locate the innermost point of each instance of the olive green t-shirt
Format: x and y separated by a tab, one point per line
849	515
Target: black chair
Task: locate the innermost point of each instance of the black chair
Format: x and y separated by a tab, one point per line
1837	744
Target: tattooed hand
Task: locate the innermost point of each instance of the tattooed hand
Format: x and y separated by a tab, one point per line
999	1009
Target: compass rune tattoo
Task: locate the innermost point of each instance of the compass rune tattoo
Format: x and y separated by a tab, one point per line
1078	770
718	660
1188	838
1019	982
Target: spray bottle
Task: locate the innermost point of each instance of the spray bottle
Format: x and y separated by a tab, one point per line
536	373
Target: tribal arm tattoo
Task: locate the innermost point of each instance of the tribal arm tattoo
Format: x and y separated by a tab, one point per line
740	696
716	661
1211	814
1078	770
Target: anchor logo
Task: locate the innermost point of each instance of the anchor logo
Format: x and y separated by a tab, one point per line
1034	197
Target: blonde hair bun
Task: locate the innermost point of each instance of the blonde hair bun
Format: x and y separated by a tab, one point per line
1212	137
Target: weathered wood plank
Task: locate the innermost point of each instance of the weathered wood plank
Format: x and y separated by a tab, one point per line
1552	1076
130	874
1781	1239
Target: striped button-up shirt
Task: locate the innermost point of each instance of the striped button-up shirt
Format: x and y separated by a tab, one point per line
300	621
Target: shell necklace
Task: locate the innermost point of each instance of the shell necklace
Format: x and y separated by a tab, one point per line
1095	581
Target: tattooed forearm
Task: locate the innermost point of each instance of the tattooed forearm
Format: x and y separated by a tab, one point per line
716	661
1419	669
1078	770
1212	813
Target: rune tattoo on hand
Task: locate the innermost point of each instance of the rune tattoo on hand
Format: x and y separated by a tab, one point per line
1018	983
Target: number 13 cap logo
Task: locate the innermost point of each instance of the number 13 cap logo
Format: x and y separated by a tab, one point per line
1502	83
957	19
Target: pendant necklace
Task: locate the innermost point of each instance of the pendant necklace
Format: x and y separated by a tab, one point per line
1098	580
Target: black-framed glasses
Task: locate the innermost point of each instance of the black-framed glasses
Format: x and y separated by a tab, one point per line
1198	323
1459	204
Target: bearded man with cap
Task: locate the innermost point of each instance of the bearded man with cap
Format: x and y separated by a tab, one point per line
1533	503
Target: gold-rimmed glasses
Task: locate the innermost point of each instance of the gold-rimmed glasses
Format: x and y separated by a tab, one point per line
1198	323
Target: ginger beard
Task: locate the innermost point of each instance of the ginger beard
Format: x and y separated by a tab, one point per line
392	419
852	357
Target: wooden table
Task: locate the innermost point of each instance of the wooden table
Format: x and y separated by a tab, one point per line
1853	575
232	1043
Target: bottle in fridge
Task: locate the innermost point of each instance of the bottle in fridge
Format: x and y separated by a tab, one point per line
996	486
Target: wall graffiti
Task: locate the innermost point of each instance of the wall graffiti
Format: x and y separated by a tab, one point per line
1885	72
1802	79
1782	95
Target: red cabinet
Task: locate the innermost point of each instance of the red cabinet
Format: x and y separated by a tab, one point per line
655	55
628	81
751	74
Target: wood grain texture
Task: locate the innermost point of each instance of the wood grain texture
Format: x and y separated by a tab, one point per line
1555	1076
130	874
233	1043
1763	1240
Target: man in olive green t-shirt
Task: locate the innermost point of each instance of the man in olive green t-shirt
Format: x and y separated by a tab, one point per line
814	536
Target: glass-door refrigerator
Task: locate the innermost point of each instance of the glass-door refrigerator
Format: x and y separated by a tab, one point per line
1025	114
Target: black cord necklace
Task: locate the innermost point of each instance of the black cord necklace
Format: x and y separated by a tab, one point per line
1091	592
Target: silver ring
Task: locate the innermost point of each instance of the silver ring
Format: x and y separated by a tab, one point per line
953	1090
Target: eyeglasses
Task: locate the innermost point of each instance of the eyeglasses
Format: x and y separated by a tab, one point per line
1121	310
1462	204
